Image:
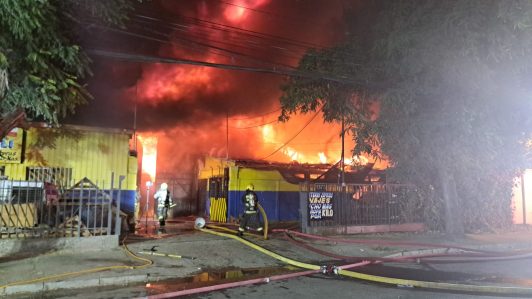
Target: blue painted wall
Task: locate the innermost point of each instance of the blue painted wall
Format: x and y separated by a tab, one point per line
279	205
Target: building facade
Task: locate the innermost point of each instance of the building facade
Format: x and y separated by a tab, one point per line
69	154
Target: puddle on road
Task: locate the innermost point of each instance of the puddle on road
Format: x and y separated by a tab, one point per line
211	277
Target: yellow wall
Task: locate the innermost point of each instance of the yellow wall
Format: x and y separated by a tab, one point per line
90	152
240	177
213	167
262	180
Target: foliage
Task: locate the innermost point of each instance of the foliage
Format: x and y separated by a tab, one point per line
41	61
451	80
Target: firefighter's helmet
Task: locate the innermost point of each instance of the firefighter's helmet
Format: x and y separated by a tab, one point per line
250	187
164	186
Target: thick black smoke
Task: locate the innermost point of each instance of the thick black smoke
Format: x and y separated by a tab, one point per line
189	110
304	23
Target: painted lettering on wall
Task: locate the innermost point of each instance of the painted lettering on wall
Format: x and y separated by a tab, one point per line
11	147
320	205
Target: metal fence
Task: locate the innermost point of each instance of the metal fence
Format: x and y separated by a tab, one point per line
359	204
43	209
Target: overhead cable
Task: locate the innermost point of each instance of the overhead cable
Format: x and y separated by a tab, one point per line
256	126
230	54
155	59
293	137
255	116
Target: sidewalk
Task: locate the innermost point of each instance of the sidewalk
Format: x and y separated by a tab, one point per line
209	252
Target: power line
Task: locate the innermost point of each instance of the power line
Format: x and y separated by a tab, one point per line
227	28
247	32
210	25
311	144
234	40
266	12
255	116
293	137
256	126
186	29
142	36
197	45
154	59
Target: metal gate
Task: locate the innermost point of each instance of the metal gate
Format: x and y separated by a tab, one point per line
328	205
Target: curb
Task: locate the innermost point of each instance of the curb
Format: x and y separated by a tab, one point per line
76	284
508	246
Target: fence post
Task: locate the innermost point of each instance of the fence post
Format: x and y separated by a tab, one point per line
110	208
80	211
3	205
118	223
303	209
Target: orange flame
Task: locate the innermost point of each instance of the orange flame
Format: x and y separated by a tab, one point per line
318	142
149	155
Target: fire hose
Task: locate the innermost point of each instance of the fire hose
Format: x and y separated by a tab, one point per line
341	270
429	257
380	242
407	258
474	255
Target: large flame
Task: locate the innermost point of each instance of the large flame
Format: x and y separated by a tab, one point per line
149	155
231	128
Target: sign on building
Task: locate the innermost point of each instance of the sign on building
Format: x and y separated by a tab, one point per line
11	147
320	205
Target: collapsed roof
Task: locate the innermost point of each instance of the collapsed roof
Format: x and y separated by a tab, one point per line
321	173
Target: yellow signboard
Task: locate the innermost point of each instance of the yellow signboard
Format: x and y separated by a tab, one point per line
11	147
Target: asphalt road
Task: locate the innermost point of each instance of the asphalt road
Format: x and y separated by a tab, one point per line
319	286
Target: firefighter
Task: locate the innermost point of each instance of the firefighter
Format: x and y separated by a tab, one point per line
251	208
164	201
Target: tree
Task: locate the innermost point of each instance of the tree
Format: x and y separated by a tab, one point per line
451	80
42	65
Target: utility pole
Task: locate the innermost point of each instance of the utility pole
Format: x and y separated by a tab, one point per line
148	186
135	117
342	161
227	135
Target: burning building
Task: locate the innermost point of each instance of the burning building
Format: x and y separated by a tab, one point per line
195	111
223	182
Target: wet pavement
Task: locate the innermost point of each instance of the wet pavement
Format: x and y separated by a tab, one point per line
213	277
219	260
314	286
